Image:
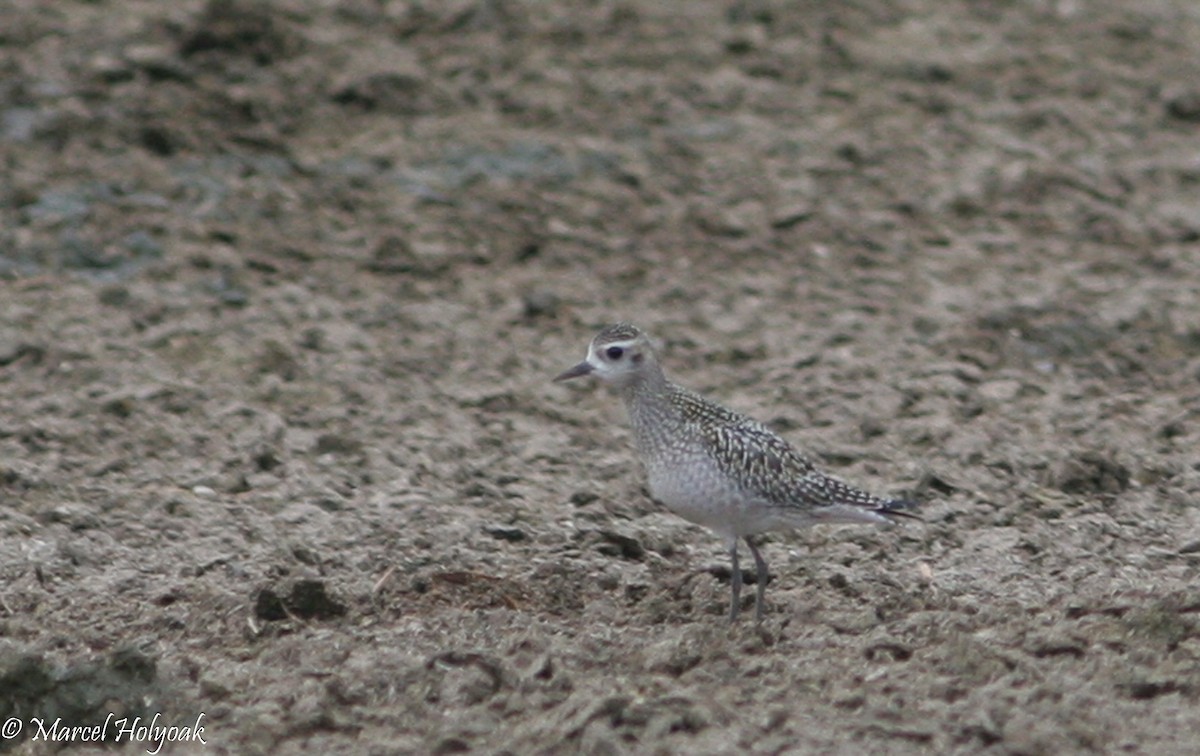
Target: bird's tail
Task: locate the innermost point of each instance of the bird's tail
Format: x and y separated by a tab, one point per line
899	509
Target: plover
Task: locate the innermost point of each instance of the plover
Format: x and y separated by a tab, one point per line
716	467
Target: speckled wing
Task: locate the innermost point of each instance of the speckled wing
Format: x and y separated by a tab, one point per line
765	465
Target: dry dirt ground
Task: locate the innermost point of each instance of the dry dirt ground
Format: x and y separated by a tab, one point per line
282	286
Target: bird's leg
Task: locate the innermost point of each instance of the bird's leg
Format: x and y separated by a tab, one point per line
760	580
735	582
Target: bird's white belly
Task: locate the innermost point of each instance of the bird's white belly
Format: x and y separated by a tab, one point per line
698	492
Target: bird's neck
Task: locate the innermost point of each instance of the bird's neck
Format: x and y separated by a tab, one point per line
648	401
646	386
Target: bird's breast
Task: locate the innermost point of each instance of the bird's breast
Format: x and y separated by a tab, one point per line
693	488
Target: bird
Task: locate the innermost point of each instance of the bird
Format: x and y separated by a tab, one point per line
718	468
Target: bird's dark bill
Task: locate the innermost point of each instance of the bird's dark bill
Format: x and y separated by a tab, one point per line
582	368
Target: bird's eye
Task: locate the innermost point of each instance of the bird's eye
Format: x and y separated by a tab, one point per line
614	352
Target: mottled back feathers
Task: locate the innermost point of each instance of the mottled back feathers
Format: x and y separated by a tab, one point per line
764	464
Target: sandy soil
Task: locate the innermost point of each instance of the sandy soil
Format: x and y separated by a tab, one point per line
282	287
